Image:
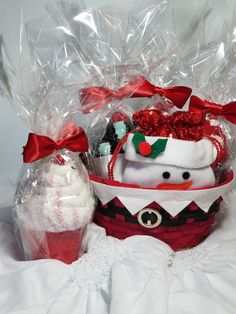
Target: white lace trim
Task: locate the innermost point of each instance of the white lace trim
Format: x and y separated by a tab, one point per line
92	270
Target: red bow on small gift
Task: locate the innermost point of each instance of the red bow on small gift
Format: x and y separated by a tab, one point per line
98	96
227	111
39	146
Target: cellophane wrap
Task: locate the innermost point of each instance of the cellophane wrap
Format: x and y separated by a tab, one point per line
54	202
124	50
209	64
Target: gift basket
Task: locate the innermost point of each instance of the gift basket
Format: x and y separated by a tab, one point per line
54	201
156	170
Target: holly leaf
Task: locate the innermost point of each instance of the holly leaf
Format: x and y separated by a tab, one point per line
158	147
137	139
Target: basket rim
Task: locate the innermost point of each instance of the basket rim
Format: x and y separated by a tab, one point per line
173	201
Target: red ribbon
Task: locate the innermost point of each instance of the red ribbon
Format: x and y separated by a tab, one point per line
227	111
39	146
98	96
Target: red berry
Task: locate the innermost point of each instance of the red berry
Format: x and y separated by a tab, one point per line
144	149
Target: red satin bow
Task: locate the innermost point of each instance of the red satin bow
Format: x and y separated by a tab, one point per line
98	96
39	146
227	111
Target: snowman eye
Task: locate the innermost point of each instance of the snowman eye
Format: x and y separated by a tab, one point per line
166	175
186	175
73	167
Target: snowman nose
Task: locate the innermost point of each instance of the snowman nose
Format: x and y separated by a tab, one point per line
174	186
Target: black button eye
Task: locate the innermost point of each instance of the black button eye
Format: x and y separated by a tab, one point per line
73	167
166	175
186	175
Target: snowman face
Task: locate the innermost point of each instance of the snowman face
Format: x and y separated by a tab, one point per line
167	177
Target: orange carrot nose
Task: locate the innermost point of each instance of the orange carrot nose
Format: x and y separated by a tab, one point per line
174	186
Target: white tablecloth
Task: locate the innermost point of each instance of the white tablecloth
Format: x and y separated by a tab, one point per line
139	275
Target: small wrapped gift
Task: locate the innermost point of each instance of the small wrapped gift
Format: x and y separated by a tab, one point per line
54	202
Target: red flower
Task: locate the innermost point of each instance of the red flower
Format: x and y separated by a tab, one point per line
149	121
181	125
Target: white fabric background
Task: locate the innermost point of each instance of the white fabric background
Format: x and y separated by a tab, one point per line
139	275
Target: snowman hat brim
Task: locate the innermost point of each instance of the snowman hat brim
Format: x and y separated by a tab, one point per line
180	153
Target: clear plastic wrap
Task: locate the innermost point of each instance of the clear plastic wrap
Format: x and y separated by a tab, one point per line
128	54
209	65
122	50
